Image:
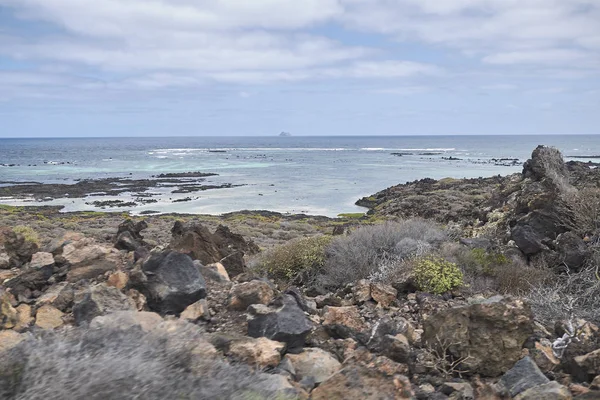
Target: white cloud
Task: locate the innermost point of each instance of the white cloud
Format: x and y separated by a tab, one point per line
498	30
158	44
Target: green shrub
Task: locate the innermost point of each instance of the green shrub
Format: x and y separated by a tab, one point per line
28	234
287	261
437	275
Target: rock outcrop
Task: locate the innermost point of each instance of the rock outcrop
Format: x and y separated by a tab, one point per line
488	337
222	246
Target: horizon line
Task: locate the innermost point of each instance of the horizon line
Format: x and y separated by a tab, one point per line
293	136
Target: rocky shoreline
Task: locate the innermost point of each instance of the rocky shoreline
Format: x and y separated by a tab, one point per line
185	298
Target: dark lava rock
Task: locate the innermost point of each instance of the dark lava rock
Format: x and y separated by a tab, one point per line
222	246
573	250
18	248
171	282
100	300
544	162
524	375
31	280
527	239
129	236
284	322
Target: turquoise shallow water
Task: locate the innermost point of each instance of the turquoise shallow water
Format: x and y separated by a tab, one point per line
316	175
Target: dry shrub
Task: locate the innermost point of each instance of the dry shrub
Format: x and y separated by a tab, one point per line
569	296
580	210
294	259
491	272
518	278
124	364
379	252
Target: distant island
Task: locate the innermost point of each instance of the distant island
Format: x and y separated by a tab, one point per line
285	134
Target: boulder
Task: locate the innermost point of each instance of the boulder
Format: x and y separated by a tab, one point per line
458	390
8	315
383	294
221	246
215	272
60	295
396	348
99	300
545	162
347	317
284	322
572	249
123	320
24	318
547	391
522	376
129	237
314	363
362	291
260	352
48	317
170	281
4	261
118	279
589	363
41	259
9	339
88	260
527	239
19	248
543	356
196	311
245	294
357	382
488	336
29	280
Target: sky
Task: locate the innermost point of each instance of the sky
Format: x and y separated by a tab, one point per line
309	67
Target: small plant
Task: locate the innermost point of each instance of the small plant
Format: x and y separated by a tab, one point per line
293	258
28	234
437	275
443	362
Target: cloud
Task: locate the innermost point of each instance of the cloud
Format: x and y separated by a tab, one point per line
498	31
182	44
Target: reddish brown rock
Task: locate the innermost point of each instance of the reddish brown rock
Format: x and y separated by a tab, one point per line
489	336
345	316
383	294
48	317
9	339
118	279
245	294
314	363
196	311
357	382
259	352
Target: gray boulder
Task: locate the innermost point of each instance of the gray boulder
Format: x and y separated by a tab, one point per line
99	300
284	322
527	239
170	281
572	249
523	376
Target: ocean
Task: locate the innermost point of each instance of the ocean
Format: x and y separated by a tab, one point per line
312	175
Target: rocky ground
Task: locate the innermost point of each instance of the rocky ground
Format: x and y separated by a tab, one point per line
183	285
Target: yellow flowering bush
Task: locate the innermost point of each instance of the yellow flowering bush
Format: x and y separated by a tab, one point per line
437	275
